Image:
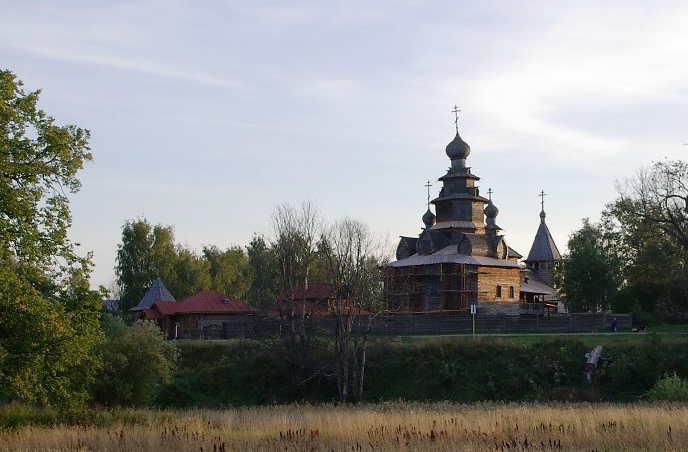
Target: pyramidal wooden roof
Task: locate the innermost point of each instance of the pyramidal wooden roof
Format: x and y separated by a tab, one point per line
157	292
544	248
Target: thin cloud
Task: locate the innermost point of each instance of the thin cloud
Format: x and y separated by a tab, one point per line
135	64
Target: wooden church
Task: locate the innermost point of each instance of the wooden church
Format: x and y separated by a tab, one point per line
461	259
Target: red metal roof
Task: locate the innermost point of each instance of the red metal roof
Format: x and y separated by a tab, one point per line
208	302
311	309
316	291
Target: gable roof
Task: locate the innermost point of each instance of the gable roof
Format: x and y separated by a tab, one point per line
213	301
406	247
208	302
316	291
312	309
157	292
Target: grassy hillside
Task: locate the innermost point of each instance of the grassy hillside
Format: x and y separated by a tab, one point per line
459	369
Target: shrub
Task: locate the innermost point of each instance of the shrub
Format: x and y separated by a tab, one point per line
669	388
136	359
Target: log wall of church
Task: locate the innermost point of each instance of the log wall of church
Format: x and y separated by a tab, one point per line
498	284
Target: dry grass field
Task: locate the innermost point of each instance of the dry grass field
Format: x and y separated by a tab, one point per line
380	427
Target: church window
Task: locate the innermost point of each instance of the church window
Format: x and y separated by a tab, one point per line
499	291
511	291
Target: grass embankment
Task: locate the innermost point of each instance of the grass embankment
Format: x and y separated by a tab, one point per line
381	427
504	368
672	336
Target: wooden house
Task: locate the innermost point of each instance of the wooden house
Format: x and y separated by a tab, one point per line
317	301
205	315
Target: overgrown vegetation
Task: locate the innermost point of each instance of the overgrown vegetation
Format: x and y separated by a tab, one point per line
240	373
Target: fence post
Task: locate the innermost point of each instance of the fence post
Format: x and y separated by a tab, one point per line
440	328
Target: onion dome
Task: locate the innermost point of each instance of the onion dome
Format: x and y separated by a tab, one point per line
458	149
542	216
428	218
491	211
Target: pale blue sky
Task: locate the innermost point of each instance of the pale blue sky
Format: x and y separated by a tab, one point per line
206	114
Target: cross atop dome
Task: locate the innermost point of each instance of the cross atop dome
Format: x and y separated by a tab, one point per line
456	117
428	185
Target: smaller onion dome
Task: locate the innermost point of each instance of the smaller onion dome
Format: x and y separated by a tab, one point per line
491	211
542	216
458	149
428	218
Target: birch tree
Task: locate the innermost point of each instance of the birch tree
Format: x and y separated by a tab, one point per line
295	235
351	260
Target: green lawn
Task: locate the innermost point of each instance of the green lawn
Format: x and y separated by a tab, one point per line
668	334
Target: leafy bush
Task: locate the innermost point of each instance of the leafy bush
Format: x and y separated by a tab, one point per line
135	360
669	388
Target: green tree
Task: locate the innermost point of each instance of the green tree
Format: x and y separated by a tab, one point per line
230	271
263	262
136	359
651	219
191	274
591	271
146	253
48	314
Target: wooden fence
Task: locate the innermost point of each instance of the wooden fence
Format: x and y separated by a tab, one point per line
428	324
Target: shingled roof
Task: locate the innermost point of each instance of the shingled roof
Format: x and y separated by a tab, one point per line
531	282
157	292
544	248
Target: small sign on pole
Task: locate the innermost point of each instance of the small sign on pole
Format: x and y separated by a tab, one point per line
474	310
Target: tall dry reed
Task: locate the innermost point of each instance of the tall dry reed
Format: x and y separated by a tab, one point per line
381	427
